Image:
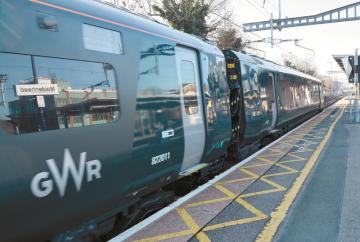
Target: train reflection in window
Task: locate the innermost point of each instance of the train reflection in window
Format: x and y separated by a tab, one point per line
189	87
86	94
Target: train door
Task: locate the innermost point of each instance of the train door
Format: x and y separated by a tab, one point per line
268	101
273	100
191	106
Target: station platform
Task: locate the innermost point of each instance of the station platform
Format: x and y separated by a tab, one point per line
302	187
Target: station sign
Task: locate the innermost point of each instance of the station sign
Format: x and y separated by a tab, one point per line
37	89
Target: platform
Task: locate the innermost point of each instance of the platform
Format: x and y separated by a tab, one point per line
295	189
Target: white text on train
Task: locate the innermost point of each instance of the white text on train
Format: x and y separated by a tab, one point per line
42	184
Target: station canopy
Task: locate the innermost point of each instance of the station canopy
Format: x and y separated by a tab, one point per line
346	63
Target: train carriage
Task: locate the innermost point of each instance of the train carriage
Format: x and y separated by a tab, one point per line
99	108
104	113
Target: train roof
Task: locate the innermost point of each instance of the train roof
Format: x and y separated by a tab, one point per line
266	64
125	19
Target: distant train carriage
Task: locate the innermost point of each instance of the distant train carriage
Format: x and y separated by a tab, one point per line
270	98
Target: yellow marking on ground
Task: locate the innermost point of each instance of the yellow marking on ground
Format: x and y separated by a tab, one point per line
165	236
262	158
210	201
238	180
232	223
291	154
190	222
294	145
276	151
251	208
277	188
258	216
225	191
288	172
279	214
270	162
257	165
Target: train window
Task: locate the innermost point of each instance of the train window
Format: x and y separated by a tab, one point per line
267	91
189	87
64	94
158	100
102	40
14	70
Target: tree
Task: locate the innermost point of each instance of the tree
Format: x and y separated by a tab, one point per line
230	38
186	15
137	6
304	65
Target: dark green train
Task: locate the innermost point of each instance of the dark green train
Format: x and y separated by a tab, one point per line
105	114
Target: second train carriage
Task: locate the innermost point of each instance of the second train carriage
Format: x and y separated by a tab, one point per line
267	99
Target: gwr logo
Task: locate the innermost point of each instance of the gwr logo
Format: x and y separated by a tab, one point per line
42	185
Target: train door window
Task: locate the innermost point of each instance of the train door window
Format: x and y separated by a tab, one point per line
14	70
189	87
267	91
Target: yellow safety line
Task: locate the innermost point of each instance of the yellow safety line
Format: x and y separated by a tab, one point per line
279	214
238	180
291	154
278	188
288	172
210	201
166	236
201	236
298	146
258	216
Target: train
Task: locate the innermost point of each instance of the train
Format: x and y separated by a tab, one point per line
105	114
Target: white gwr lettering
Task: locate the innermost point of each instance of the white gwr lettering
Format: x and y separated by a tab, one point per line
42	185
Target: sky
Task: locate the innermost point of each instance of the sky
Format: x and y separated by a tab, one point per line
325	39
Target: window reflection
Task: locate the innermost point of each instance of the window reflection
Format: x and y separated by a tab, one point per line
297	92
189	87
266	91
251	91
86	94
158	99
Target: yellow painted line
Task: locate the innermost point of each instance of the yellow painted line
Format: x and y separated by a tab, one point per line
279	214
210	201
251	208
258	216
277	188
266	160
226	191
190	222
262	158
298	146
238	180
288	172
166	236
291	154
232	223
257	165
